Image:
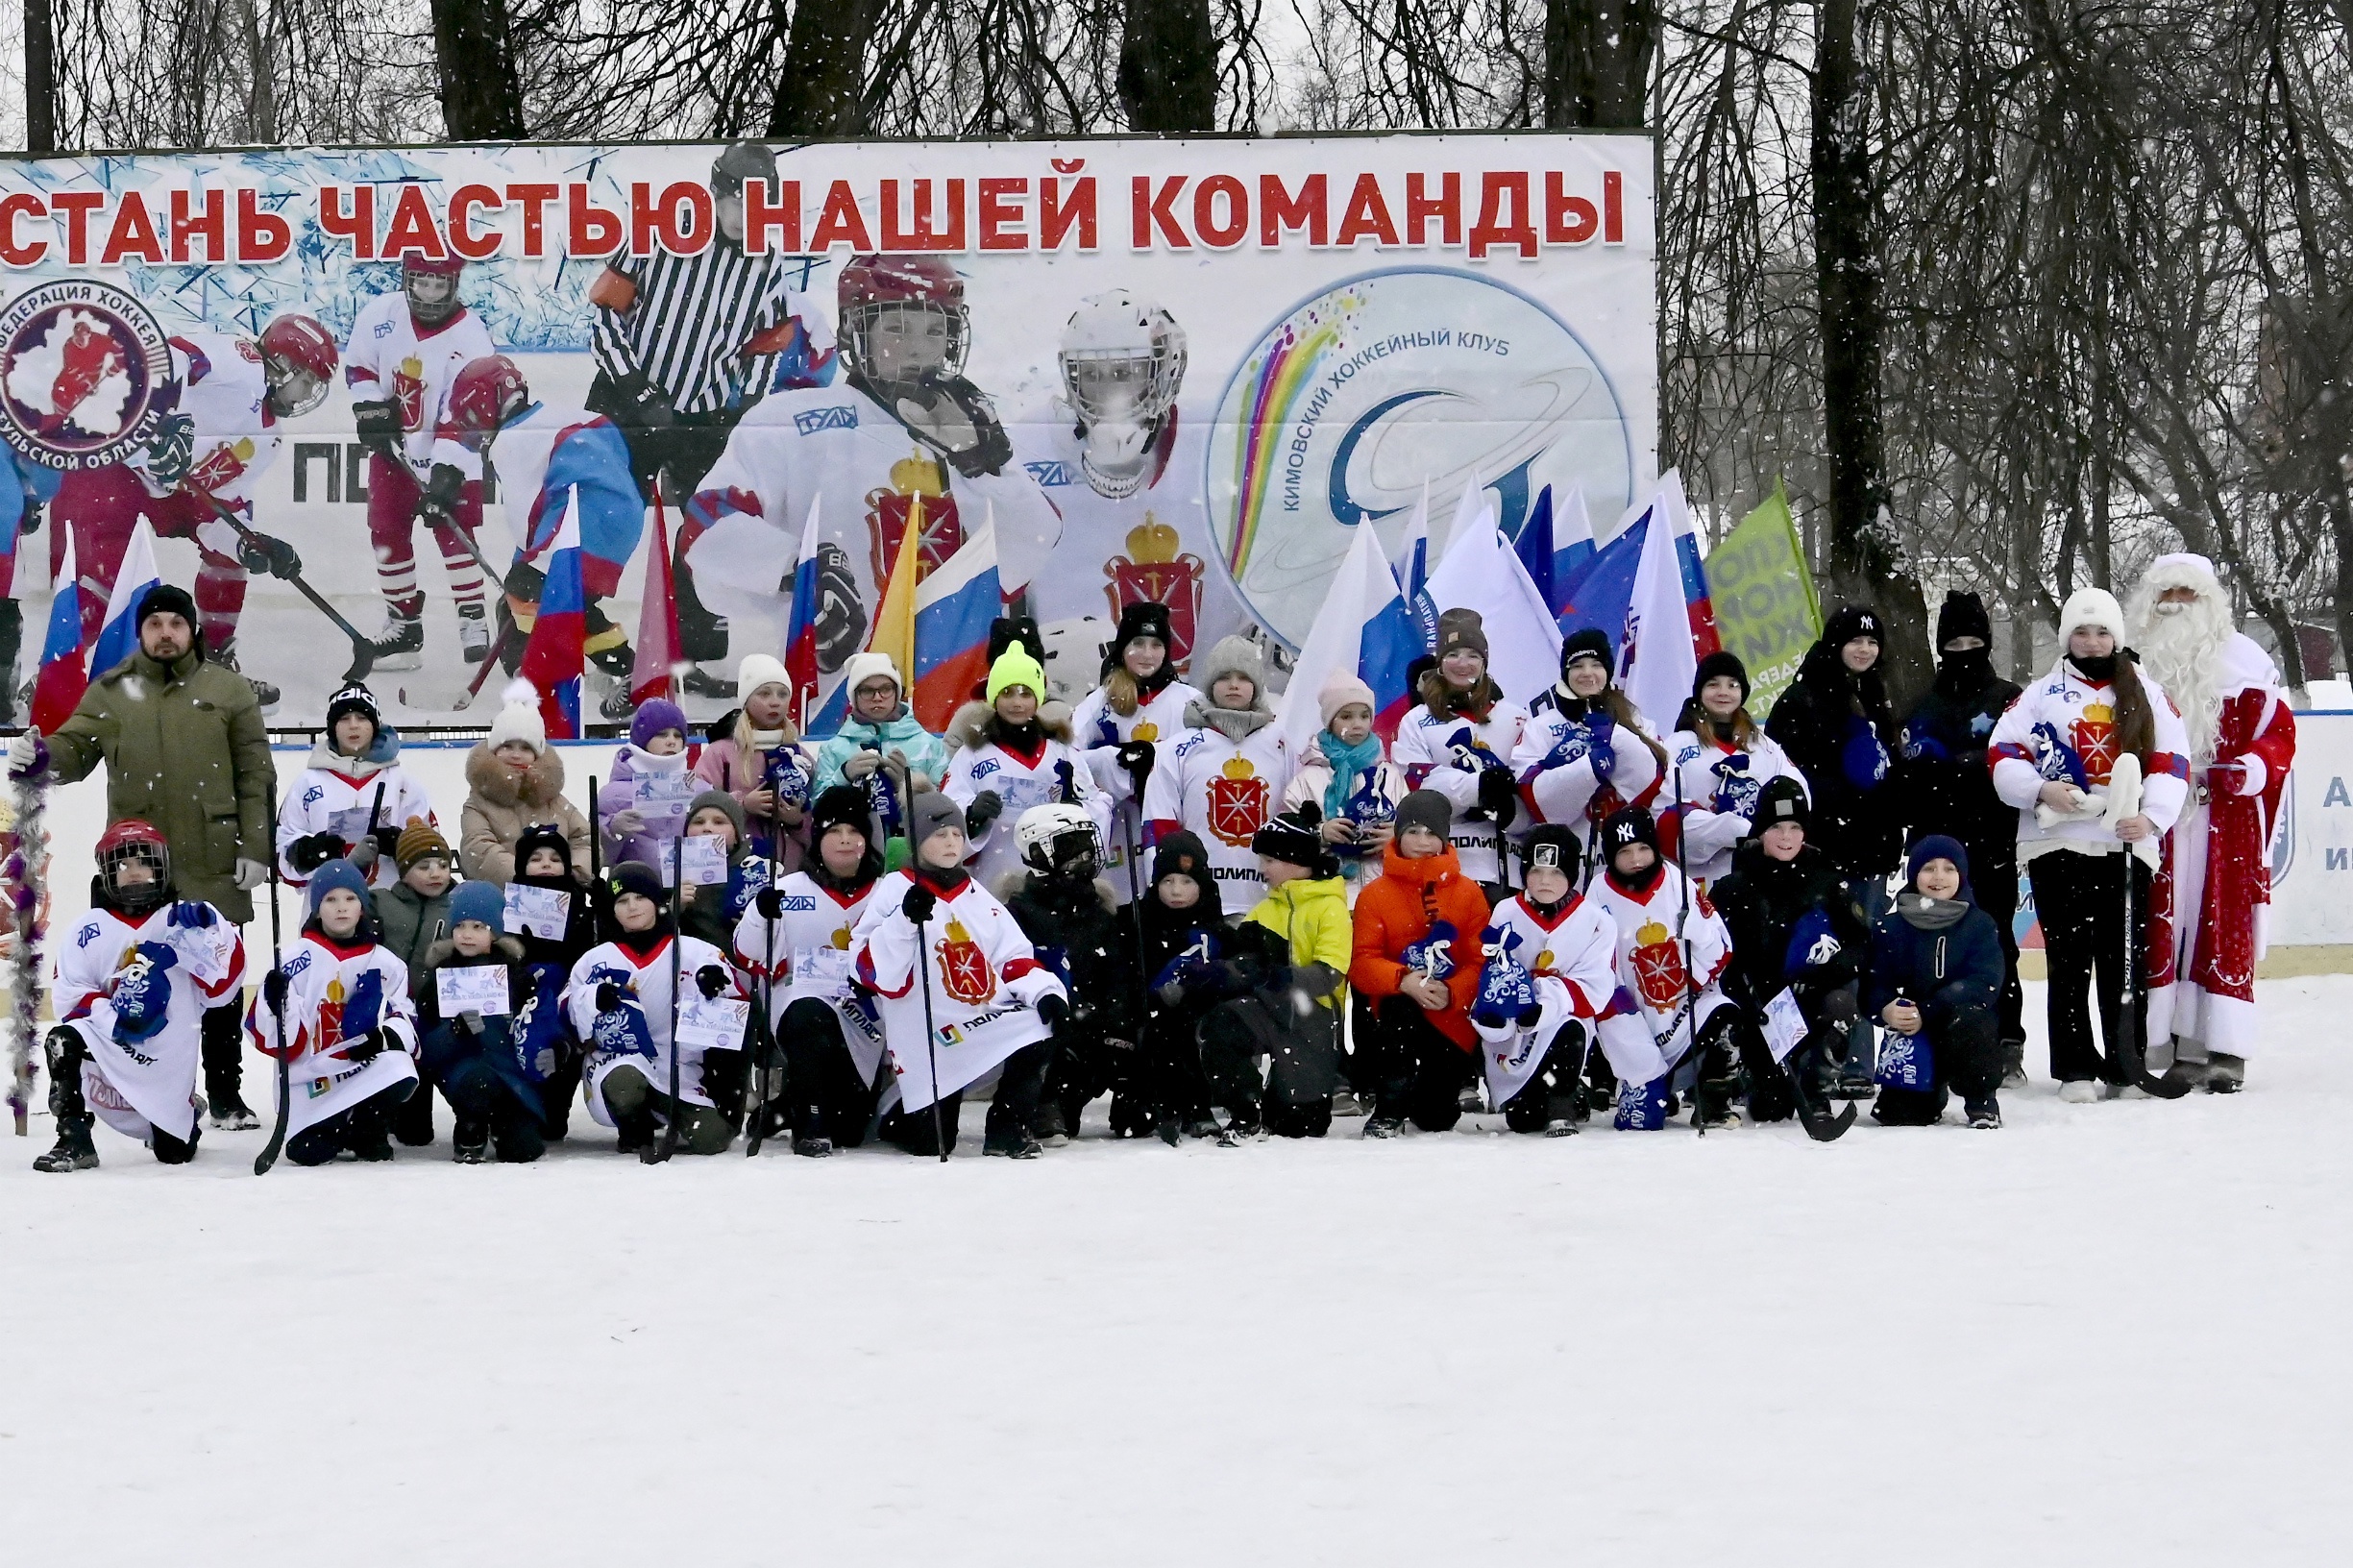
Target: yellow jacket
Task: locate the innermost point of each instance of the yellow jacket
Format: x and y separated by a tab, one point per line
1312	914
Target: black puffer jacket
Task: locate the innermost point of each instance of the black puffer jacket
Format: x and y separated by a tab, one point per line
1833	723
1941	782
1763	901
1074	925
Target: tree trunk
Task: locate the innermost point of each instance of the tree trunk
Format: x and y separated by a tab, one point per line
41	79
822	90
1597	63
482	96
1864	566
1168	67
261	90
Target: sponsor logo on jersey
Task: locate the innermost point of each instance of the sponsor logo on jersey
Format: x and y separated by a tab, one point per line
86	375
983	767
799	903
1049	474
840	416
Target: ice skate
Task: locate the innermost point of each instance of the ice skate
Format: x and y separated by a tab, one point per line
472	633
2225	1073
401	643
813	1148
471	1143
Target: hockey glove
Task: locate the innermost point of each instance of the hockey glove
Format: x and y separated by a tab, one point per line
1135	759
260	553
1498	795
307	854
274	993
29	520
984	810
377	423
641	403
369	1047
1602	751
610	996
437	507
193	915
770	904
171	451
710	980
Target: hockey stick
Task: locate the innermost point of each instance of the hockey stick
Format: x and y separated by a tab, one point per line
448	698
666	1144
2131	1053
268	1156
1819	1126
761	1033
363	648
922	963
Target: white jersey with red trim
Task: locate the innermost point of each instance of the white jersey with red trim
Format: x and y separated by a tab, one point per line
811	939
645	981
2063	716
1099	732
224	391
1431	747
1571	958
839	447
390	358
132	1082
336	992
326	799
1019	782
1554	763
1674	988
1223	790
984	985
1719	784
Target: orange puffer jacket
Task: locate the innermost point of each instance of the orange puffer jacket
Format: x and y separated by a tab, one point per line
1398	908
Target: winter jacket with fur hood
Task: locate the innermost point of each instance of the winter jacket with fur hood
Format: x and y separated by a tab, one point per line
502	802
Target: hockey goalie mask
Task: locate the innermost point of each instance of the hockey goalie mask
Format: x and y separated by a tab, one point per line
135	868
1123	362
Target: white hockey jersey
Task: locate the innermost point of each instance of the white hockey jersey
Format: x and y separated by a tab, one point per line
1099	732
131	1082
2064	716
1153	545
1718	784
985	986
336	794
390	358
1447	753
1672	1000
1554	763
336	992
811	939
224	391
646	982
1572	961
1224	791
1021	782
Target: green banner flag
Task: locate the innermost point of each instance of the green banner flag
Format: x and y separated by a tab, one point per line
1766	610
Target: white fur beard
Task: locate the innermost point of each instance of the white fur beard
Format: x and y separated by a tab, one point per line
2184	652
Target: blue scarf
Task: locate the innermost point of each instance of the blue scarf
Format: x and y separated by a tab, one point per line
1348	764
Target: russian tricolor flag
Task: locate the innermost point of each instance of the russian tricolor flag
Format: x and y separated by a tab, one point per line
63	677
801	632
118	635
553	659
1364	629
954	608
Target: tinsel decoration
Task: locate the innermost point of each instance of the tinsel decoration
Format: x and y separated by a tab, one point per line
24	873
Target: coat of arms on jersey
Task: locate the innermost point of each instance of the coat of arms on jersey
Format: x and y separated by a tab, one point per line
220	466
1658	967
964	968
1154	572
86	375
1237	803
918	492
408	390
2096	740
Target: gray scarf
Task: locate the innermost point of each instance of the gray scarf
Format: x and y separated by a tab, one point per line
1233	723
1922	913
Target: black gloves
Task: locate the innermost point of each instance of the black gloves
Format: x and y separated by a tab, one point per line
389	842
770	904
643	403
1052	1010
710	980
1499	794
274	991
307	854
29	520
437	507
608	997
1136	761
920	904
370	1046
983	811
262	553
171	450
378	426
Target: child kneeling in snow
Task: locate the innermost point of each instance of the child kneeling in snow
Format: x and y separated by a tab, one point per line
341	1001
1936	972
621	1004
491	1066
134	977
1292	951
961	994
1550	976
1672	949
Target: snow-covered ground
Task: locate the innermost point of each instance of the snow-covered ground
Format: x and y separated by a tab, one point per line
2109	1334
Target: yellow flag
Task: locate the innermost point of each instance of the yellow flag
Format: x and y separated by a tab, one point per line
893	630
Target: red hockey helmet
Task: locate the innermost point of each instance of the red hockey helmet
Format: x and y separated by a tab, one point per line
131	843
442	266
871	284
432	288
299	359
482	395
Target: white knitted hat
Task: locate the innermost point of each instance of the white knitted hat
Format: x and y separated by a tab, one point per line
519	720
2093	608
864	667
757	670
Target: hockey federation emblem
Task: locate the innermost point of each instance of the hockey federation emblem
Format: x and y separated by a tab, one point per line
86	375
964	968
917	496
1237	803
1154	572
2096	740
1658	967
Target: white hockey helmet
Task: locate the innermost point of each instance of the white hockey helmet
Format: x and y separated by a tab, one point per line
1058	839
1122	358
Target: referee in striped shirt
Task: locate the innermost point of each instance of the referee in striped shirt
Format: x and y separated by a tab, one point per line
684	345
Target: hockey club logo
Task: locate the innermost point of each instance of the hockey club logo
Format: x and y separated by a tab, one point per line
1154	571
919	497
86	375
840	416
1237	803
964	968
1658	967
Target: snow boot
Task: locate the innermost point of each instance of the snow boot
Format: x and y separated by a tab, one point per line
1013	1146
471	1143
368	1136
2082	1090
401	643
227	1111
634	1132
74	1149
2014	1063
813	1147
2225	1073
1985	1113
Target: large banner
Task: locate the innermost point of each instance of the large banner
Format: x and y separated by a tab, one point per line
1184	371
